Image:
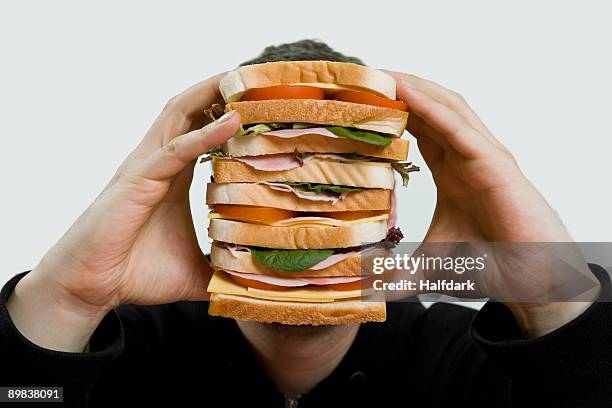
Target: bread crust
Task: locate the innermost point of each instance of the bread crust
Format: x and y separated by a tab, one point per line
313	171
262	144
324	74
294	313
322	112
297	237
263	196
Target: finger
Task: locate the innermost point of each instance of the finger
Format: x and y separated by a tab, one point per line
443	95
181	113
431	152
449	98
455	130
169	160
420	130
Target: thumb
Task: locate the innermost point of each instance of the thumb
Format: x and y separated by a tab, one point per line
169	160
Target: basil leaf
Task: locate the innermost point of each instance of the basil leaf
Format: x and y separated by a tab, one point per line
290	260
360	135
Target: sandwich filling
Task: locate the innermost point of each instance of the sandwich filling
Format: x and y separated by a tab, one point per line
311	92
310	139
284	263
289	130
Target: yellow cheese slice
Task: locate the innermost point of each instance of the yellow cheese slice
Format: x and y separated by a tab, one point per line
312	223
222	283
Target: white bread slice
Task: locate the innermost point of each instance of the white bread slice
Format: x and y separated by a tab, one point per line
322	112
344	311
261	144
297	237
322	74
263	196
222	258
359	174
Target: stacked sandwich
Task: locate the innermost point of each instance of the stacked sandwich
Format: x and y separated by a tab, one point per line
303	191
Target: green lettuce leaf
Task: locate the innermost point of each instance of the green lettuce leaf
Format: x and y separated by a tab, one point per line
290	260
360	135
321	188
404	169
252	130
216	151
302	126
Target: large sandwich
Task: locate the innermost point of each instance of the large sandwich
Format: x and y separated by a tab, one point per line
304	191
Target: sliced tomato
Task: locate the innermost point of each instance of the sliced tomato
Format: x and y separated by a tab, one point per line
348	286
283	92
249	213
251	283
368	99
268	215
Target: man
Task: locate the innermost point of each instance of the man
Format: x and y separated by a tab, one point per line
72	321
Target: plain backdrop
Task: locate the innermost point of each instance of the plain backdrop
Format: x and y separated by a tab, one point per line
81	82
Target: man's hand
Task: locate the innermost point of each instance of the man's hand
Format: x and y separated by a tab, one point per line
136	243
482	196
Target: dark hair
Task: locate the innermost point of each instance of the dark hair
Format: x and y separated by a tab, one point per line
303	50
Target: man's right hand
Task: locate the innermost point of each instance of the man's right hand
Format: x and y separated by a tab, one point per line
136	243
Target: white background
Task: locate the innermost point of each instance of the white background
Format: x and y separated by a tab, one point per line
81	82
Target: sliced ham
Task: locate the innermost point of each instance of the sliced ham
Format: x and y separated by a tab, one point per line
312	196
236	249
272	162
295	282
289	133
288	161
272	280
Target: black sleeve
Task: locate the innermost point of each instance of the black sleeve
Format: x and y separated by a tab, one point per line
26	364
569	367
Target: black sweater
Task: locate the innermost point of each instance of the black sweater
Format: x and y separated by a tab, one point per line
444	356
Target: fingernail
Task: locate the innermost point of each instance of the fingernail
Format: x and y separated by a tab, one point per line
226	116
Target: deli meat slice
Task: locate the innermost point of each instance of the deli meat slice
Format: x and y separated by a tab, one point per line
295	282
271	162
272	280
288	161
312	196
289	133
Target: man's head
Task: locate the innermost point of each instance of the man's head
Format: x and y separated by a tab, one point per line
303	50
307	339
